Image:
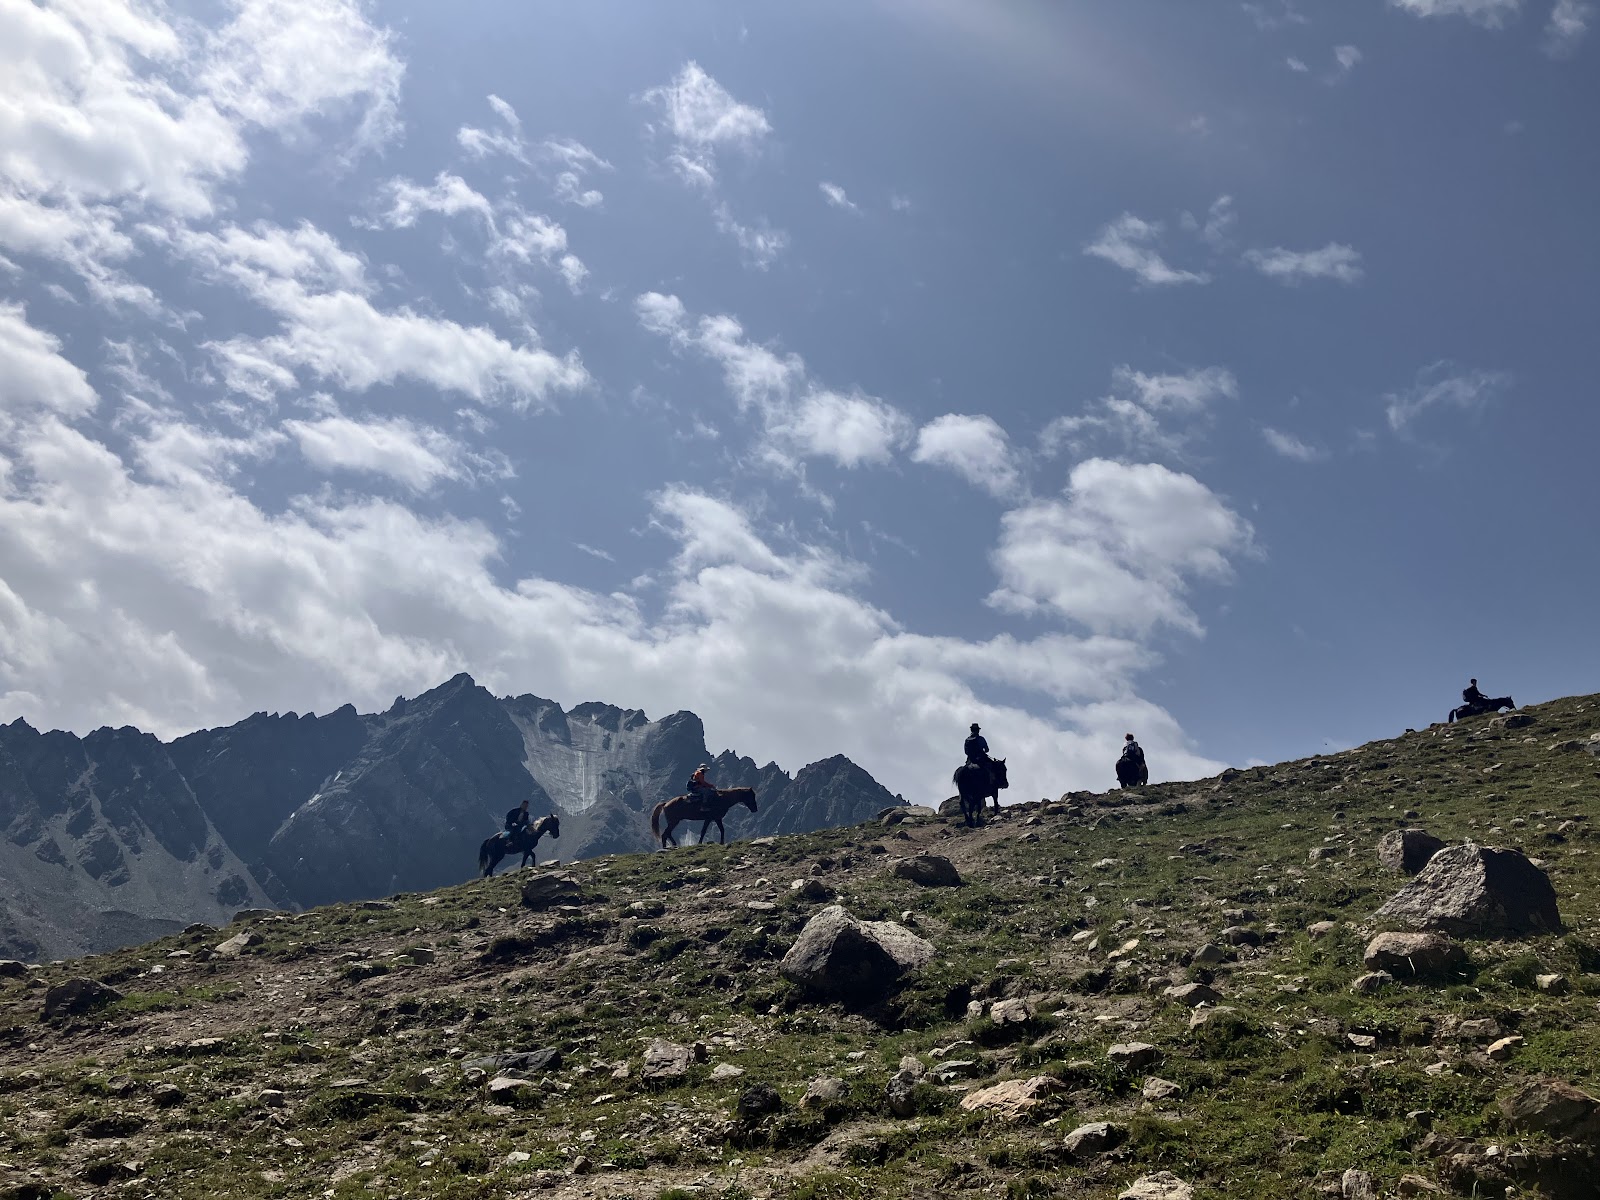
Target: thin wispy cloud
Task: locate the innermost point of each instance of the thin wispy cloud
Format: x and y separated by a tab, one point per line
1274	14
1491	14
704	120
1441	388
836	197
1130	243
1289	446
1567	27
1345	60
1145	414
1334	261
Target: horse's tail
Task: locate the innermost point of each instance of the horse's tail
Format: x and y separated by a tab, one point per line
655	818
483	856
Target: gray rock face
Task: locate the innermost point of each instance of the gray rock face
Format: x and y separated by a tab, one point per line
1475	891
841	957
1408	850
1404	955
929	870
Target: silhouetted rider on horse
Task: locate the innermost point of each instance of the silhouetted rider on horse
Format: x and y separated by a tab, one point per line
517	819
979	778
1131	768
1474	703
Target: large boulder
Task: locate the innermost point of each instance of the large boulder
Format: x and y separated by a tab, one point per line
1550	1106
74	997
841	957
1476	891
1407	954
1408	850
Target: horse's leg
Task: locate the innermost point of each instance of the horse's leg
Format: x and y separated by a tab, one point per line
704	829
722	834
666	837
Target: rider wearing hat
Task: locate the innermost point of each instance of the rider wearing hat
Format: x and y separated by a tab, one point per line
698	782
976	746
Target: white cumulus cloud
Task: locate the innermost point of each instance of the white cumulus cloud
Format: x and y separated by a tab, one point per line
1120	550
976	448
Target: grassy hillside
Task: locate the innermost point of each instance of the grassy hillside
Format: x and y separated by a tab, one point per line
336	1056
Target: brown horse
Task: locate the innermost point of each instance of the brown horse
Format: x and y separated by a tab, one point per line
699	806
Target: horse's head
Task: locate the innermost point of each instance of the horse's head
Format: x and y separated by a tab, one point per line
746	797
551	825
997	772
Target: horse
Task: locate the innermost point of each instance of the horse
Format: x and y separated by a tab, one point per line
975	781
524	840
1132	772
1480	707
699	806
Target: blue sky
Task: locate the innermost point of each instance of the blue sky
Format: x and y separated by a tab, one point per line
844	372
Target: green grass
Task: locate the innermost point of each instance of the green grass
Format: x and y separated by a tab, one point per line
1272	1098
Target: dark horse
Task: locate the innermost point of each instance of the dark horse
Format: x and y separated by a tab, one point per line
502	844
699	806
1481	707
1132	772
975	781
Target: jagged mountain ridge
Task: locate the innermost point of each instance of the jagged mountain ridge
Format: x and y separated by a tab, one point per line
299	810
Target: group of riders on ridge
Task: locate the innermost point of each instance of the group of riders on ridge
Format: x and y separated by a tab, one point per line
980	777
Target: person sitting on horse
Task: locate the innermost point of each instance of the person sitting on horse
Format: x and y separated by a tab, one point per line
1472	695
517	819
977	747
700	783
1132	751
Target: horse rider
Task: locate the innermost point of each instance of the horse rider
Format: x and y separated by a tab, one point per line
977	747
1132	751
1471	695
517	820
700	785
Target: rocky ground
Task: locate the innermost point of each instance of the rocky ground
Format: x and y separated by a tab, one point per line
1178	997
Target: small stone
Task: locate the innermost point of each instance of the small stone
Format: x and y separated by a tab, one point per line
1193	994
1502	1050
1414	954
517	1157
1416	1185
1209	955
1358	1185
1097	1137
666	1060
1133	1056
237	944
1321	929
928	870
503	1086
1156	1088
1372	982
824	1091
1238	935
1553	985
1361	1041
1012	1099
165	1095
811	889
759	1100
270	1098
720	1072
1204	1016
1163	1185
1010	1012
